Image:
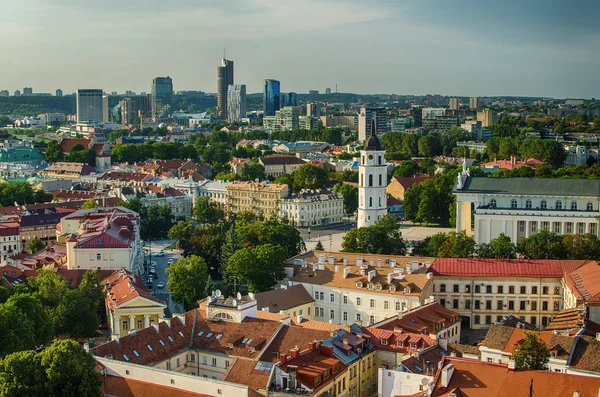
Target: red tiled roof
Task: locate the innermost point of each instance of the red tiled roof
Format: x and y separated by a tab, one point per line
407	182
122	286
126	176
312	363
116	386
9	229
585	281
470	267
68	143
245	372
100	240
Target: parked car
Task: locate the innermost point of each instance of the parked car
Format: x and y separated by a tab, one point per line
161	253
170	261
160	285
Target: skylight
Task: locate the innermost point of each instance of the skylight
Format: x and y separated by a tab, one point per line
219	336
125	357
200	333
244	341
136	353
249	341
169	337
181	334
149	347
161	342
209	334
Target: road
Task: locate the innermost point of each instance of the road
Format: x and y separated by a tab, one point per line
161	267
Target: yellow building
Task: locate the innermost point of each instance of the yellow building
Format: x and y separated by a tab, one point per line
293	301
487	117
256	197
129	305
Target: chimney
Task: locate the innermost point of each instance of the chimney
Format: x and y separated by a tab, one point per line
598	338
359	261
511	364
429	276
252	296
347	271
284	286
372	274
265	309
312	346
331	260
576	393
390	277
336	268
443	342
392	263
282	357
379	262
315	267
346	341
345	260
322	258
295	352
300	318
447	372
371	262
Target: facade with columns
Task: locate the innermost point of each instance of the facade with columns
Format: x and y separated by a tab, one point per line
521	207
129	305
372	182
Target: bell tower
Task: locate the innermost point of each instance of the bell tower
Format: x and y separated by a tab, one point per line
372	181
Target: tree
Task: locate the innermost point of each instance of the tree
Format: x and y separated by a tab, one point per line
581	246
233	243
91	286
350	195
407	168
430	246
187	280
35	245
16	330
309	177
500	247
384	237
182	231
89	204
157	220
252	171
260	267
457	245
207	211
273	231
542	245
134	205
50	287
33	310
22	375
285	179
76	315
319	246
21	192
532	353
53	152
70	371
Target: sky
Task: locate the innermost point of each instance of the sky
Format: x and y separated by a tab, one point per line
544	48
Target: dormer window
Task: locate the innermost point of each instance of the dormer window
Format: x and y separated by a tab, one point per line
378	287
370	286
359	285
407	290
384	341
392	288
554	354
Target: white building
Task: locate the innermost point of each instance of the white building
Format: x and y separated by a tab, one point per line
575	155
313	208
520	207
90	105
216	190
10	239
352	288
236	102
372	198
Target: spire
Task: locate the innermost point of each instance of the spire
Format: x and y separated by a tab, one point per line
373	128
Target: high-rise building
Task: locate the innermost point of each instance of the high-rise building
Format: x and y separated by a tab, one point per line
285	119
162	97
89	105
59	92
4	93
271	97
312	109
27	91
105	108
379	115
17	93
487	117
417	114
473	102
453	104
236	102
372	183
288	99
224	80
327	91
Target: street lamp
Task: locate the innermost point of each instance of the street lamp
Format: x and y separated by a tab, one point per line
309	232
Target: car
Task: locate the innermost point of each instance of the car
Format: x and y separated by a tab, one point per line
160	285
154	275
171	260
161	253
153	263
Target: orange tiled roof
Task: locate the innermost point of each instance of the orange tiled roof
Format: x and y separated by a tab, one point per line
122	286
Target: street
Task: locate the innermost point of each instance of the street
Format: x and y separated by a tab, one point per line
161	267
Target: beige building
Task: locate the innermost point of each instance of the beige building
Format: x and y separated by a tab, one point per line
61	170
129	305
453	104
339	120
473	102
483	291
10	240
487	117
313	208
279	164
361	288
399	185
256	197
293	301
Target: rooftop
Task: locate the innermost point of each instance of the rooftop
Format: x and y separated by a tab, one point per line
585	281
122	286
283	298
280	159
528	186
477	267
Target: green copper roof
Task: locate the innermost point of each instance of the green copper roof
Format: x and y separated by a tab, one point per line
532	186
20	154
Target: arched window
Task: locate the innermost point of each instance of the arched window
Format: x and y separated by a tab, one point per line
370	180
589	207
558	205
363	160
362	180
528	204
543	204
493	203
513	203
574	205
370	202
379	202
380	180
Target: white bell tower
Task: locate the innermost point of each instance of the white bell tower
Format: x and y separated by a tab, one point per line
372	182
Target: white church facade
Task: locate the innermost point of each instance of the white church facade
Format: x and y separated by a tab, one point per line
521	207
372	182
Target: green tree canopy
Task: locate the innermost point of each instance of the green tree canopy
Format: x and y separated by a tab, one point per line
157	220
272	231
542	245
50	287
350	195
33	310
382	238
187	280
207	211
88	204
35	245
76	315
260	267
21	192
532	353
53	152
16	330
457	245
22	375
253	171
309	177
500	247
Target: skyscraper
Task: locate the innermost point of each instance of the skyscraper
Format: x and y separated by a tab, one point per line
327	91
224	80
89	105
473	102
236	102
366	115
162	96
271	97
27	91
288	99
59	92
453	104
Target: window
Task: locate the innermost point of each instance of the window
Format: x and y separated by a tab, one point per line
316	295
500	289
493	203
386	305
488	289
345	300
488	320
533	226
477	304
556	227
477	319
456	288
442	287
358	301
545	305
511	305
125	325
589	207
568	227
477	289
332	314
534	290
467	288
358	317
168	365
558	205
522	305
500	305
370	180
372	303
98	257
533	305
533	320
511	289
370	203
521	226
380	180
528	204
543	204
331	298
468	304
443	302
226	363
321	312
214	362
523	289
455	304
545	225
573	205
513	203
488	305
322	296
490	360
345	316
580	228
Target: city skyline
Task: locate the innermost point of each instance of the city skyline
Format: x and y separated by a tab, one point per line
465	49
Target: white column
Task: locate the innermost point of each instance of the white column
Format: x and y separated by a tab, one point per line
116	326
458	216
131	323
146	320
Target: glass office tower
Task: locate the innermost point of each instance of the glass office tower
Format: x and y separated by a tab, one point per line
271	97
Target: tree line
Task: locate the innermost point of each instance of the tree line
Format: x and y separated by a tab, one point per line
21	193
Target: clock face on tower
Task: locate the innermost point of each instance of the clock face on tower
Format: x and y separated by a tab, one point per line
370	157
